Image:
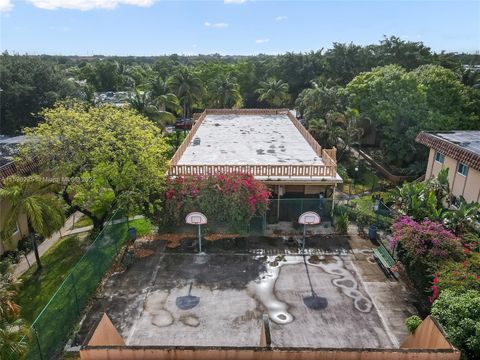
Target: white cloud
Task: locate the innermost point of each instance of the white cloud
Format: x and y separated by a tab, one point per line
85	5
6	5
262	41
281	18
234	1
215	25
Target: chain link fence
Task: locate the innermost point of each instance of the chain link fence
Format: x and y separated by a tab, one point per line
51	328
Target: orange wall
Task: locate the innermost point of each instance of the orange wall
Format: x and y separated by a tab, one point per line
426	336
259	354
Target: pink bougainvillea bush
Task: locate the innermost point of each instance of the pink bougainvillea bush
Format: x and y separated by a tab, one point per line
224	198
426	241
423	248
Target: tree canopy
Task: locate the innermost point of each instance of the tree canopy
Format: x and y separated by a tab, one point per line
399	88
27	85
102	157
400	104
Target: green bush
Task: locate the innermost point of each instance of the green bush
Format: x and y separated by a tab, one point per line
459	314
363	213
412	323
341	223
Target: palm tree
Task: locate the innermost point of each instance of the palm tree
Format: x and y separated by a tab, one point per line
8	289
161	96
187	86
14	332
463	219
143	103
14	338
471	77
225	92
327	130
274	92
352	131
33	198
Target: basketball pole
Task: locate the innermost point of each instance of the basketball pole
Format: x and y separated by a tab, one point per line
304	234
200	238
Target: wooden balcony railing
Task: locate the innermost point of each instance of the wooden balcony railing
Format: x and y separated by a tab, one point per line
256	170
19	169
306	135
181	149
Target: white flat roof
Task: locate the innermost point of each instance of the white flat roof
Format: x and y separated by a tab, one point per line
248	140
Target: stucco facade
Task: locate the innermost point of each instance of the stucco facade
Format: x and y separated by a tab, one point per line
10	243
461	160
6	170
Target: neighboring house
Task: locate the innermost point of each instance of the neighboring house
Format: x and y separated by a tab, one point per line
270	144
118	99
459	151
8	167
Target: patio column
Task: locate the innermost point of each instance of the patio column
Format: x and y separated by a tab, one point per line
333	198
278	202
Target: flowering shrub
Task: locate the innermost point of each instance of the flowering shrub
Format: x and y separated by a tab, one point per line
461	276
426	241
423	247
435	290
225	198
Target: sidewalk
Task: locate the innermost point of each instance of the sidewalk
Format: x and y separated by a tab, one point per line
66	229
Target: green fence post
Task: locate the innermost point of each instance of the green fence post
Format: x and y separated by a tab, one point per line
75	293
37	341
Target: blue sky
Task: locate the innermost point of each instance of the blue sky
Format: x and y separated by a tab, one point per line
155	27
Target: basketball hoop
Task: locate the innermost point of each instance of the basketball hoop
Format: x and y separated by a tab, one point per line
197	218
308	218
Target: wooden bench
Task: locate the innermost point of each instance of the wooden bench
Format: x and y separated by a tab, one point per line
384	259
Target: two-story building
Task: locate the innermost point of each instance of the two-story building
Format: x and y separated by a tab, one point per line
459	151
270	144
8	167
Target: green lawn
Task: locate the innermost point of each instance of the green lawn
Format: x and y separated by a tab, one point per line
37	288
84	221
143	226
58	261
363	207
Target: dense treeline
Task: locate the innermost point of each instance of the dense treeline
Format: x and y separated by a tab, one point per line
387	107
345	93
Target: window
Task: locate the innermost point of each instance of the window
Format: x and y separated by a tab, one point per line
455	202
462	169
439	157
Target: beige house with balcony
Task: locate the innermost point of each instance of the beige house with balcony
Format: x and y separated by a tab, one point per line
270	144
459	151
8	167
6	170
